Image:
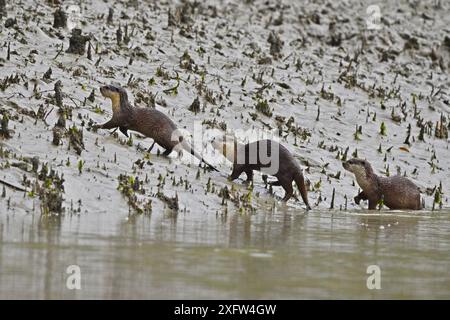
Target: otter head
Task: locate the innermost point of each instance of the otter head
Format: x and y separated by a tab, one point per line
360	168
226	145
117	95
356	166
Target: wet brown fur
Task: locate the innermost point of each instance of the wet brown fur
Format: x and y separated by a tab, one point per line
397	192
288	169
147	121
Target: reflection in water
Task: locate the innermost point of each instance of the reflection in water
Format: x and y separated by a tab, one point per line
49	228
279	253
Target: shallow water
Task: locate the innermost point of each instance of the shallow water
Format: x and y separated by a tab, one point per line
281	254
202	252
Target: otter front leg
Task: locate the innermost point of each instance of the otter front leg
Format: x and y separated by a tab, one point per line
374	201
107	125
372	204
237	170
360	196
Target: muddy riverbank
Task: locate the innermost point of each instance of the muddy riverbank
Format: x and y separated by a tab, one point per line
334	80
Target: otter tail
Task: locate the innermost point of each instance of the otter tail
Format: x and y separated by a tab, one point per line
189	148
300	181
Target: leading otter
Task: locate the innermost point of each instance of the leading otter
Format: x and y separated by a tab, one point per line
265	155
396	192
148	121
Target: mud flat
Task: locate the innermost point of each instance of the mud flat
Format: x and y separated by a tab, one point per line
143	226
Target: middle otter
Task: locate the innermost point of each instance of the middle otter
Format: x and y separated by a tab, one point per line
262	155
148	121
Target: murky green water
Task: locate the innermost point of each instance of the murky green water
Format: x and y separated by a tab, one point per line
282	254
395	77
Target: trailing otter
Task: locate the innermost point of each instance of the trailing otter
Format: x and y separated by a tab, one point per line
266	156
148	121
396	192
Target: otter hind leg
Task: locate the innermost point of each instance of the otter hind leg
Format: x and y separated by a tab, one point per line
418	203
287	186
167	152
275	183
124	130
249	173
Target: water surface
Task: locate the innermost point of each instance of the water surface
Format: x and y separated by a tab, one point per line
283	253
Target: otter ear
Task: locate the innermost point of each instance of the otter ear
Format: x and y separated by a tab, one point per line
366	164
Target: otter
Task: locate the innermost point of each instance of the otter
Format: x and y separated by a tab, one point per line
258	156
147	121
397	192
228	145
